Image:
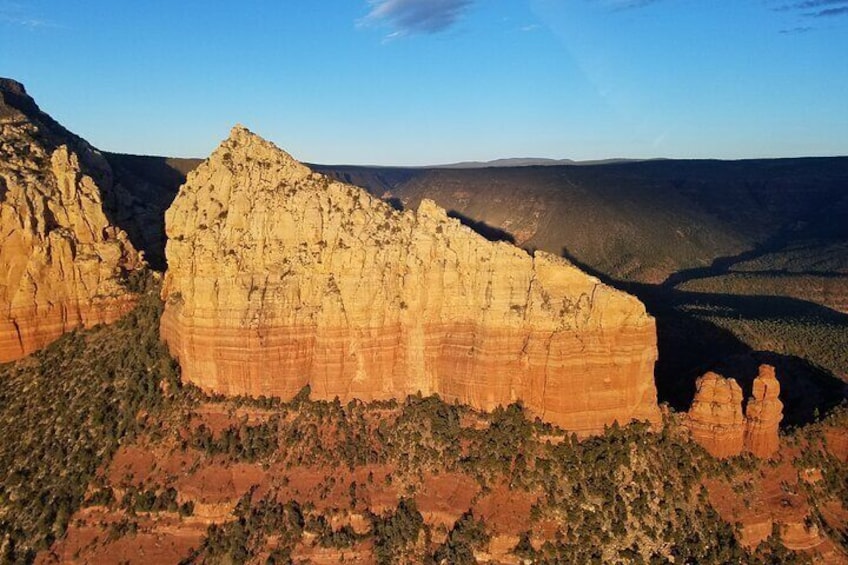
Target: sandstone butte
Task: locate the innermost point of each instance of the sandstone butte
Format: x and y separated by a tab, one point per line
61	260
279	277
716	421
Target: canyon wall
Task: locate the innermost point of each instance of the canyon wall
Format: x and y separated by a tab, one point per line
280	277
62	262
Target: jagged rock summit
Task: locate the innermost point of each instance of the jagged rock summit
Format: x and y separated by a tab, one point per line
280	277
716	420
62	261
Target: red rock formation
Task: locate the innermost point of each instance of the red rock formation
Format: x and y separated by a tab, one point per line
279	277
763	414
836	442
61	261
800	536
715	419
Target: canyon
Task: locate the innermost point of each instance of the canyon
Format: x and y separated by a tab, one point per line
281	278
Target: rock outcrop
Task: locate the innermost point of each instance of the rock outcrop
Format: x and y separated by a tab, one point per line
62	261
716	420
280	277
763	414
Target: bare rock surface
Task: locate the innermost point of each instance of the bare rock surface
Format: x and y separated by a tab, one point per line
280	277
62	261
717	422
715	418
763	414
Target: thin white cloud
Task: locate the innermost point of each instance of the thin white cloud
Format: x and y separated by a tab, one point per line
12	13
628	4
407	17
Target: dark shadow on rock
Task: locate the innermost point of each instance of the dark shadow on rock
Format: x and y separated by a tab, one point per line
722	265
166	172
489	232
806	391
787	273
689	345
376	180
395	202
146	186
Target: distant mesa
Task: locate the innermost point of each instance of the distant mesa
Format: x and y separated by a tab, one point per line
716	420
62	260
527	162
279	277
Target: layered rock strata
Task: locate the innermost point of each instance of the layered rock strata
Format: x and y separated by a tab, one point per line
280	277
715	417
763	414
716	420
62	261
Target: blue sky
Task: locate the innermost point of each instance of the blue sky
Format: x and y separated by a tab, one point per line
435	81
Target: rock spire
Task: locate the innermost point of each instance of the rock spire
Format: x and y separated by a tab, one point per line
716	420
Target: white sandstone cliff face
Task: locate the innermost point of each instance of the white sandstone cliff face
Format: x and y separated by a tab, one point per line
279	277
61	261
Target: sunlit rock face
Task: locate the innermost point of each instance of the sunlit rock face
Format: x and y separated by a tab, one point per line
279	277
716	420
62	262
763	414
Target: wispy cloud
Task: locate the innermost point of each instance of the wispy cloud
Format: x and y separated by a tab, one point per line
409	17
530	27
798	29
816	8
12	13
807	4
617	5
830	12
